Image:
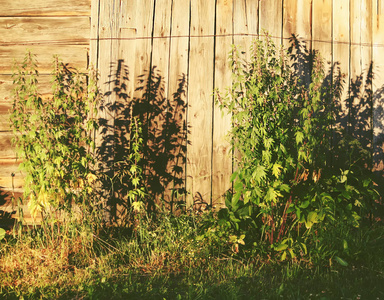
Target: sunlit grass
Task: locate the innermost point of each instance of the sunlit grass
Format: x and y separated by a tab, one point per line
163	259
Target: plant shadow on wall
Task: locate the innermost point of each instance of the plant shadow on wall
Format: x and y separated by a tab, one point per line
305	161
144	142
352	123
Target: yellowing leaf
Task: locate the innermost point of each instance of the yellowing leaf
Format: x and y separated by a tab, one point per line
91	178
137	206
299	137
276	170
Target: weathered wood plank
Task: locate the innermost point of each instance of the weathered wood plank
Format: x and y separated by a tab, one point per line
11	178
45	8
94	34
144	26
221	159
322	29
297	21
161	115
161	33
6	149
341	36
178	87
75	55
252	10
43	30
271	19
240	26
199	156
360	85
378	87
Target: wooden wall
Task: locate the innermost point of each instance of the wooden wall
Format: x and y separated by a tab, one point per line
194	37
46	27
191	38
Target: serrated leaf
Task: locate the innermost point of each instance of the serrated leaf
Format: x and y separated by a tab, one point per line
299	137
276	170
271	195
268	143
259	174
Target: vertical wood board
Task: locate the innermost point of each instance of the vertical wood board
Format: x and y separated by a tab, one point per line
271	18
378	86
199	117
322	29
341	51
221	158
177	93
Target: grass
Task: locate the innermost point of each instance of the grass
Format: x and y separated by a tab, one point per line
164	260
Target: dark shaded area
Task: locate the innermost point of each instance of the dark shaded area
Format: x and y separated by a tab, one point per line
357	138
354	115
6	218
164	140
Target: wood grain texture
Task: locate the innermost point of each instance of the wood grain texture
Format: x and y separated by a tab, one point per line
271	17
360	61
45	8
44	30
11	178
6	149
178	73
297	21
322	29
74	55
160	63
341	56
378	86
240	26
222	158
200	101
94	43
144	27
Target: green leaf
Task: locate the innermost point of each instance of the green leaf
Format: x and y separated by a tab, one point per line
259	174
276	170
341	261
345	245
281	247
283	256
2	233
305	204
299	137
271	195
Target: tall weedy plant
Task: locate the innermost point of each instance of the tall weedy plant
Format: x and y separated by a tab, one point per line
54	136
283	186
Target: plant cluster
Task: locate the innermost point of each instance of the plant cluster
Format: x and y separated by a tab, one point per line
288	189
54	136
300	191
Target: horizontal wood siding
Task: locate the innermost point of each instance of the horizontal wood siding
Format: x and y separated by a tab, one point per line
46	28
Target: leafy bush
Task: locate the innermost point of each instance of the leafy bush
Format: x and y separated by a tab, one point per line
286	189
54	136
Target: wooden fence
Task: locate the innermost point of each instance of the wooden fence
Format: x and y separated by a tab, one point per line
193	38
133	42
46	27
